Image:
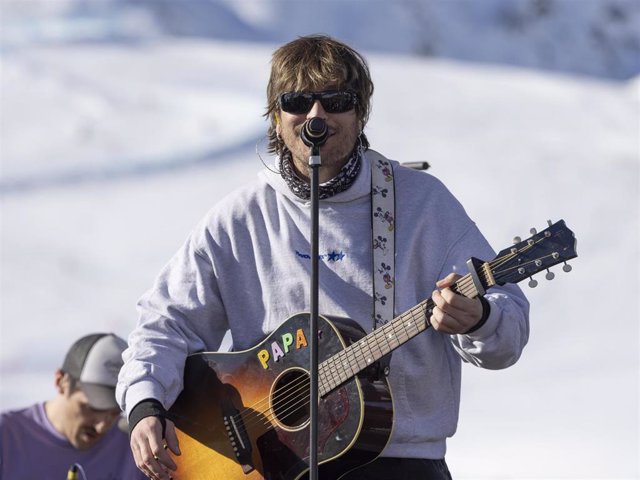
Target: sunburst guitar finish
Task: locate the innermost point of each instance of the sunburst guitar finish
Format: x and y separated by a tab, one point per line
245	415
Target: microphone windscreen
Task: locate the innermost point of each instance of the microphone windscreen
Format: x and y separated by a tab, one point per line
314	132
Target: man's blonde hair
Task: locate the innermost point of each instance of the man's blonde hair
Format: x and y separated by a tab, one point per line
317	62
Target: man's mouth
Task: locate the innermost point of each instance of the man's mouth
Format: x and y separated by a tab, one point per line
90	434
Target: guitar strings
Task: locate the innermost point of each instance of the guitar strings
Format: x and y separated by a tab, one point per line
294	388
289	399
295	395
301	385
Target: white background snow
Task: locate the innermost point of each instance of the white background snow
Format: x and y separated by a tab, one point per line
112	151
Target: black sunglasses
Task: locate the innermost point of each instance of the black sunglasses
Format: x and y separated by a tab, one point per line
333	101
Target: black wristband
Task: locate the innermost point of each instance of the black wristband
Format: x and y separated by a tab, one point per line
486	310
147	408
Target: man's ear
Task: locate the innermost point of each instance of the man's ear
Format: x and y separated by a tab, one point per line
62	381
277	117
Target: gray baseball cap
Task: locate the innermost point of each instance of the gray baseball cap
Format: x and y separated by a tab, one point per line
94	361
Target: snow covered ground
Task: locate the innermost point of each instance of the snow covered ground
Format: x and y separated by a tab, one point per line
112	152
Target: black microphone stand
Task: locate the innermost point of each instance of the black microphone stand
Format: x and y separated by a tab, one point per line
314	133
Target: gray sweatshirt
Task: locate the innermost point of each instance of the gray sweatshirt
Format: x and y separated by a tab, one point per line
246	268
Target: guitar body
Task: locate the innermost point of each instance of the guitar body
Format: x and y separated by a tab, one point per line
245	415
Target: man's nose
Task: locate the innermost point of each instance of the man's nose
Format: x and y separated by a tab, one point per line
317	110
104	422
102	425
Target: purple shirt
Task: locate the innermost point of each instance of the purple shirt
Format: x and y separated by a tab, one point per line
30	448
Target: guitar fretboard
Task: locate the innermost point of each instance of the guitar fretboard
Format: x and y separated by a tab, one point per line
358	356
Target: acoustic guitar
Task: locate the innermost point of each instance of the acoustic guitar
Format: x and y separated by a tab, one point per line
245	415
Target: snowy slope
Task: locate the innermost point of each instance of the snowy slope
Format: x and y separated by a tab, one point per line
587	37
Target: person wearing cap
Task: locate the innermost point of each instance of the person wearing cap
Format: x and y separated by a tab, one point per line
77	430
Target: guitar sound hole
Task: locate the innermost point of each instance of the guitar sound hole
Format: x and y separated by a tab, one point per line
290	399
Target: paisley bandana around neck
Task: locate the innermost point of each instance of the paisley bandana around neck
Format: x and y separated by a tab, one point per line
302	188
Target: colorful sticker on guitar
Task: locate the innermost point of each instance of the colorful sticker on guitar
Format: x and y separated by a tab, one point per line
278	352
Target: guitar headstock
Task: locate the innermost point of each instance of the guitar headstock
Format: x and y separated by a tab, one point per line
554	245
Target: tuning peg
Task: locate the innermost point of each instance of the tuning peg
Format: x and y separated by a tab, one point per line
516	240
533	231
533	283
550	275
567	268
549	222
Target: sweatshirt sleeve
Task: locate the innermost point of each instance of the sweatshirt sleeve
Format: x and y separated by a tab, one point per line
181	314
500	341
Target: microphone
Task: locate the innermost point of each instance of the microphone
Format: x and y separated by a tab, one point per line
314	132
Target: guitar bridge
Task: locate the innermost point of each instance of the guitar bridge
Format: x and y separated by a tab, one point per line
238	438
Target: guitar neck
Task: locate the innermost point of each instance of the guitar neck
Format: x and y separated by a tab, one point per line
371	348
